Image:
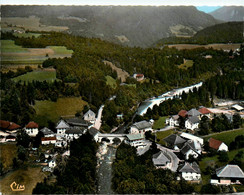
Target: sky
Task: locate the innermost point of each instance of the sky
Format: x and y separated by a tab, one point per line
125	2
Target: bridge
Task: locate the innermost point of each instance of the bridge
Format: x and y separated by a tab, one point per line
110	137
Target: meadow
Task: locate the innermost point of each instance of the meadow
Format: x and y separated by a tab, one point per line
163	134
187	64
8	152
214	46
111	82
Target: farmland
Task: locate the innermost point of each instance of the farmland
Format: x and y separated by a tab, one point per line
48	110
37	75
25	176
214	46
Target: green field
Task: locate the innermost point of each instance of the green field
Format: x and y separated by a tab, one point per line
160	123
9	46
8	152
27	35
27	177
60	50
111	82
163	134
48	110
186	65
37	75
226	136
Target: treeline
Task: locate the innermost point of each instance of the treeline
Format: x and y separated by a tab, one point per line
230	32
77	175
137	175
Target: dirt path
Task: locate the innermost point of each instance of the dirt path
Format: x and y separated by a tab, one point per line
122	75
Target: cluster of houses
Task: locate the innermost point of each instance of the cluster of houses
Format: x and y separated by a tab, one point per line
193	117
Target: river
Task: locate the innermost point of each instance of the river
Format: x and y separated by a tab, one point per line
105	171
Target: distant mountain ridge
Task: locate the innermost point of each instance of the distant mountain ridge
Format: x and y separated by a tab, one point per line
128	25
229	13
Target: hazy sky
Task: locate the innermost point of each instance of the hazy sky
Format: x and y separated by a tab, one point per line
125	2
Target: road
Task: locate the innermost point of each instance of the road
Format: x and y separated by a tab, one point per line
98	121
165	129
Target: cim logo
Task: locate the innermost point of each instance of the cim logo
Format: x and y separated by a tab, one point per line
17	187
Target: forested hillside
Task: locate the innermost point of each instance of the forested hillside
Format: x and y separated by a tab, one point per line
230	32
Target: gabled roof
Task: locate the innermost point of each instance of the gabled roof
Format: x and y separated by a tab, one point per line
75	130
237	107
13	126
62	125
214	143
192	137
132	137
204	110
93	131
193	112
46	131
4	124
160	158
77	122
189	145
190	168
32	125
174	139
142	125
194	119
90	113
183	113
230	171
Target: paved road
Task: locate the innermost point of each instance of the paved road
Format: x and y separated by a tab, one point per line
165	129
98	121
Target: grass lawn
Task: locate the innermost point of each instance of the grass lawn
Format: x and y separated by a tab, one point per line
186	65
111	82
226	136
9	46
27	35
163	134
8	152
60	50
160	123
48	110
27	177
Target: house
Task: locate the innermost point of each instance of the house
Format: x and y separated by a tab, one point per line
183	113
193	112
138	77
140	127
190	171
31	129
61	143
192	123
217	145
192	137
74	133
9	127
94	133
10	138
229	117
191	148
161	160
143	150
229	174
48	140
79	122
136	140
47	132
205	112
237	108
61	127
90	116
173	121
174	141
52	164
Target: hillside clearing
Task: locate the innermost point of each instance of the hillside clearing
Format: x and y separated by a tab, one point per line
214	46
111	82
187	64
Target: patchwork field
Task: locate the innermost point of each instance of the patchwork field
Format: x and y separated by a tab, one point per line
8	152
187	64
111	82
12	54
214	46
48	75
28	177
48	110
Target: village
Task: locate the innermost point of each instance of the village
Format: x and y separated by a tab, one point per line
179	154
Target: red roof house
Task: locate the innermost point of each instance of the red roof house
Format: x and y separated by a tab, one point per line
204	110
217	145
182	113
4	124
13	126
32	125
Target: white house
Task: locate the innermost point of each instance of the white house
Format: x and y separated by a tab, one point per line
31	129
48	140
237	107
90	116
205	112
192	148
192	123
94	132
173	121
192	137
74	133
136	140
61	127
217	145
138	77
190	172
52	164
140	127
61	143
161	160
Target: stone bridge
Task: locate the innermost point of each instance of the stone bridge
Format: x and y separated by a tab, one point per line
111	137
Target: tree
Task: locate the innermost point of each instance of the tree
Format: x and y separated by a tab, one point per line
223	156
204	126
22	153
210	189
23	139
237	121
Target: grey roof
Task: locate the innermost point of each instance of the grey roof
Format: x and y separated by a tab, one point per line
75	130
194	119
190	168
142	125
46	131
62	125
174	139
90	113
193	112
132	137
77	122
93	131
143	150
230	171
160	158
229	117
189	145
